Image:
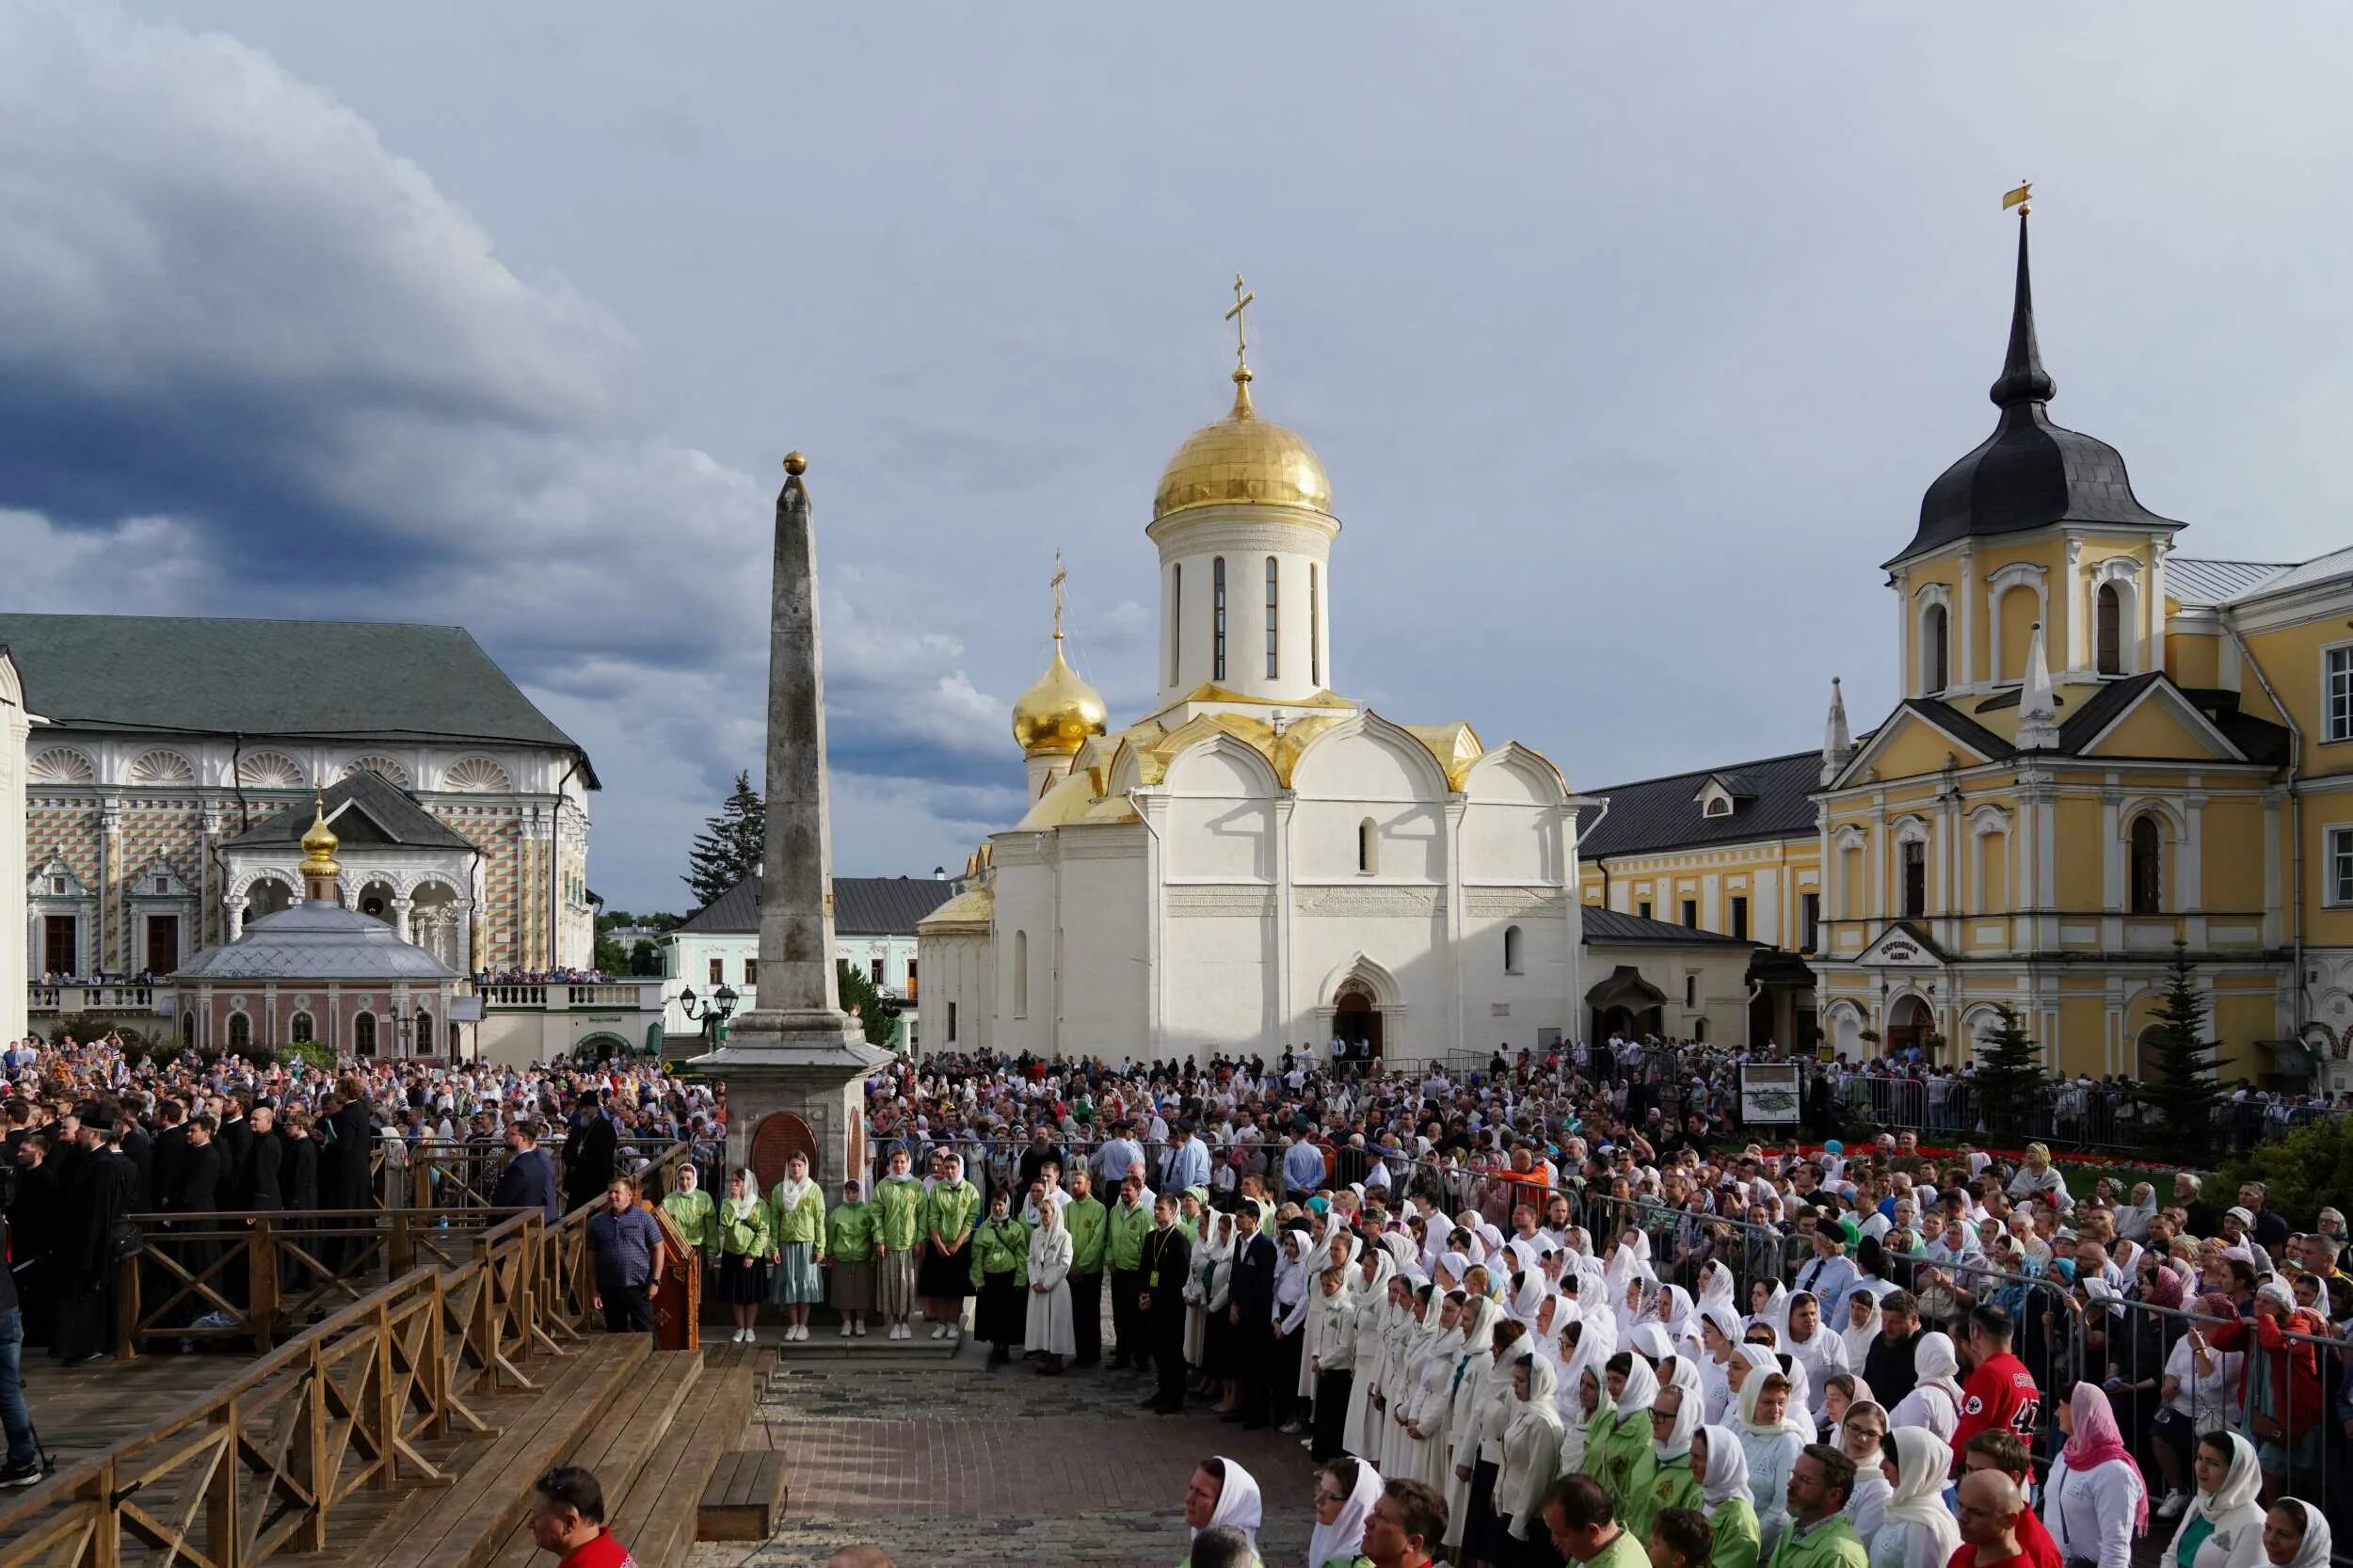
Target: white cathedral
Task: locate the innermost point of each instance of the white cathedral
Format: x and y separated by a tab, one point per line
1259	861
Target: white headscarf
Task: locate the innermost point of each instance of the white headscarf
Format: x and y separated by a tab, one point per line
1340	1538
1641	1389
1793	1416
1727	1474
1677	1442
1935	1366
1922	1462
1237	1503
2315	1552
1716	1289
1857	1340
2238	1486
1776	1310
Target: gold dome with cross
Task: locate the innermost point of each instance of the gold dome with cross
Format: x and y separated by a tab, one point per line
1242	459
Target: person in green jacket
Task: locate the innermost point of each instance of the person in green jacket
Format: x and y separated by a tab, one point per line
798	1206
1089	1223
1723	1467
1628	1463
850	1258
1820	1533
1674	1416
1000	1273
697	1217
1130	1224
898	1233
745	1232
944	1277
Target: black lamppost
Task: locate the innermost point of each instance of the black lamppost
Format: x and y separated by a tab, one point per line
712	1014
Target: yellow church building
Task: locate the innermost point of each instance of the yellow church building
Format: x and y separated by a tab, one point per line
2104	748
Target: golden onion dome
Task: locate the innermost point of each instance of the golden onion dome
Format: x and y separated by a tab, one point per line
319	843
1242	460
1054	717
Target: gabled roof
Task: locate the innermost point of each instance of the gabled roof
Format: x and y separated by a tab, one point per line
1937	713
862	906
1611	927
2320	569
1652	814
351	679
379	812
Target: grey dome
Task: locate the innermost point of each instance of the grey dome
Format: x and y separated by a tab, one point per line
316	940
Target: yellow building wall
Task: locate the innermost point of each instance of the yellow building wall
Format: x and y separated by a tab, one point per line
2082	855
2083	1034
2019	609
2231	854
2151	729
2193	659
2291	657
1917	749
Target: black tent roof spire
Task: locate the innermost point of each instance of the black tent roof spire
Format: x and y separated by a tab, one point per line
2022	379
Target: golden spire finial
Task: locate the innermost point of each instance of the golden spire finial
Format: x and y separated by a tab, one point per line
1060	575
1243	301
319	841
2019	198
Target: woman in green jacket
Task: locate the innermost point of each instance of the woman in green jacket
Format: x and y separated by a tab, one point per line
798	1205
1001	1271
1628	1463
697	1217
745	1232
1722	1467
944	1278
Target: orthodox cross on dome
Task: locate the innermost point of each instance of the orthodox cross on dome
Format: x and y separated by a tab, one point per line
1241	341
1060	577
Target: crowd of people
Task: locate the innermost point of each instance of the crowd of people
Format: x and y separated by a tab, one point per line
1556	1309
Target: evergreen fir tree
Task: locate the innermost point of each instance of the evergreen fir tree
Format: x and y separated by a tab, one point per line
729	847
2009	1074
862	996
2180	1086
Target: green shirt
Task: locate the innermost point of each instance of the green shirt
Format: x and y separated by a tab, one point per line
948	1210
850	1233
1673	1485
1737	1539
1627	1466
750	1234
1090	1231
1598	1431
804	1221
998	1247
899	1206
1832	1544
1624	1549
1129	1227
696	1216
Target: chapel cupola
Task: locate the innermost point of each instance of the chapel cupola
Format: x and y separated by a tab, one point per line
2029	472
1242	516
1059	713
320	871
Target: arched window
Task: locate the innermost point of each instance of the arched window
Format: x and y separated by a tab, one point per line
240	1032
1691	990
188	1029
1273	604
2108	616
1699	1032
1915	878
1512	950
1020	975
1175	621
1315	624
1367	846
2148	871
424	1033
1935	650
363	1034
1217	618
301	1029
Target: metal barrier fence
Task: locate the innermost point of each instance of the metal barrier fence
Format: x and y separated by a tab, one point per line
2088	1115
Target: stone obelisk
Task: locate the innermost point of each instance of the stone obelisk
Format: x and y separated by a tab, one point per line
794	1065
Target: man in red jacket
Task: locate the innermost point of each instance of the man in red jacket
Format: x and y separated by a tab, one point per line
2000	1395
568	1518
2003	1452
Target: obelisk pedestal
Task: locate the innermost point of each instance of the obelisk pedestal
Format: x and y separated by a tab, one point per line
794	1066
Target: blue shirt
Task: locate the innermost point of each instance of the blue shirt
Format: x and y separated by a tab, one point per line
1828	1279
1302	1166
1185	1167
623	1245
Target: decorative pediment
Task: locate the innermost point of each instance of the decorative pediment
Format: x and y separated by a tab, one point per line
163	766
55	879
158	879
61	765
1912	742
1902	946
2161	721
270	770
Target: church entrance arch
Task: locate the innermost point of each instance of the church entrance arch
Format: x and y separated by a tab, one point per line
1356	1019
1626	1005
1909	1023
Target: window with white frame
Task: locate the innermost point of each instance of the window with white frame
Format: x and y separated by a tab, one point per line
2336	693
2341	865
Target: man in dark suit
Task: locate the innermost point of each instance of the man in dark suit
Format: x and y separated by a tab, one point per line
170	1149
1251	1311
529	1179
588	1151
266	1157
1167	1263
344	1166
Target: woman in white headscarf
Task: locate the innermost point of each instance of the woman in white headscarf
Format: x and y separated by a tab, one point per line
1403	1339
1222	1494
1372	1316
1719	1337
1475	1427
1919	1530
2295	1535
1717	1288
1774	1435
2131	1219
1934	1401
1421	1442
1214	1258
2223	1526
1336	1250
1345	1491
1457	1413
1531	1446
1047	1325
1769	1302
1721	1464
1815	1346
1858	1437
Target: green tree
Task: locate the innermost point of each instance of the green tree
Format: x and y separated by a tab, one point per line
729	847
876	1014
2009	1072
2180	1086
2310	1167
644	958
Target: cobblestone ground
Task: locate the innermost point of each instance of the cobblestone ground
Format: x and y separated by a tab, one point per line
953	1466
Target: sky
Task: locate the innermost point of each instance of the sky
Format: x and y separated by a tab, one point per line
1630	337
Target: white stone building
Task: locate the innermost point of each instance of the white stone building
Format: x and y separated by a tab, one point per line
16	724
1258	860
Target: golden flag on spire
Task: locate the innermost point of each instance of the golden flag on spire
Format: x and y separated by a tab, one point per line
2017	198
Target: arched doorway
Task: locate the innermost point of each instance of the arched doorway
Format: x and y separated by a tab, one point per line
1356	1019
2145	1063
1909	1024
1626	1005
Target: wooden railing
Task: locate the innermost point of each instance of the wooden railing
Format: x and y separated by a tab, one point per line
261	1465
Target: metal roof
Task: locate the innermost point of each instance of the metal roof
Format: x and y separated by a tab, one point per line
1609	927
2196	583
348	679
1661	813
862	906
315	940
379	812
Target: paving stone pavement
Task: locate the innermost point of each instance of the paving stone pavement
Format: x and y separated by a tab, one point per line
955	1467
